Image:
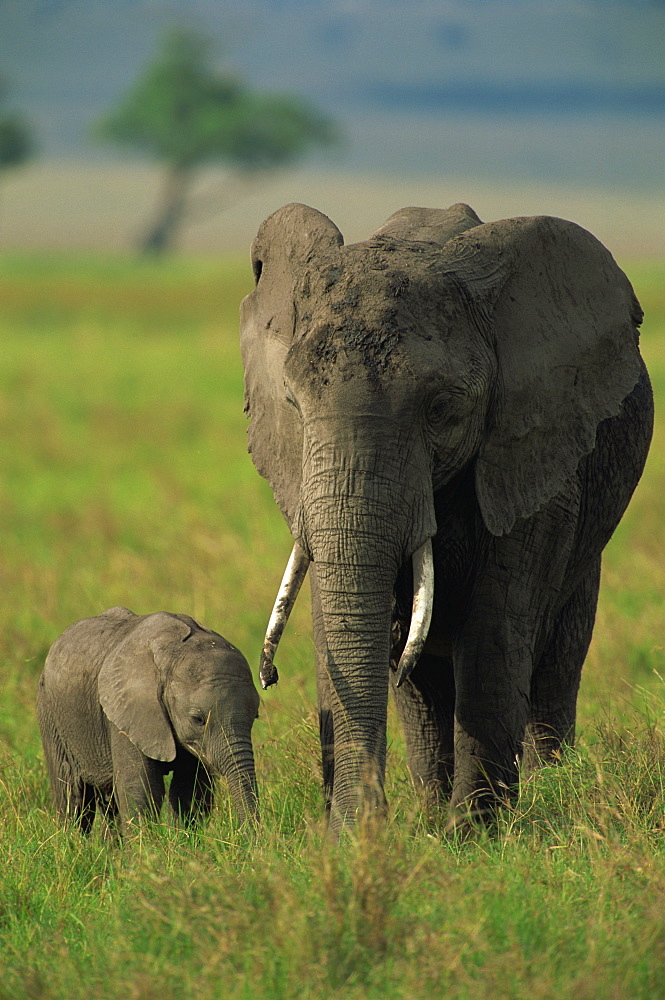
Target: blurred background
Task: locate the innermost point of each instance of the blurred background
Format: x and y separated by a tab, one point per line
357	107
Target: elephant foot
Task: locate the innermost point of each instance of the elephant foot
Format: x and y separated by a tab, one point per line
464	826
479	811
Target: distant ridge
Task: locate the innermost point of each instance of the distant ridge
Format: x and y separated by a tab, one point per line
575	98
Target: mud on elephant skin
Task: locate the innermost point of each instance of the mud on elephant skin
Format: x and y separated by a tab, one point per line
462	405
125	699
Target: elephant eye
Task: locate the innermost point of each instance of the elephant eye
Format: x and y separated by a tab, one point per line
290	398
443	409
199	718
438	407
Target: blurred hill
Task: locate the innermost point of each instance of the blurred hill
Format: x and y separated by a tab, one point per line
510	96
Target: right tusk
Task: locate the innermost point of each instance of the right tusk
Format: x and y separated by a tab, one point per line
294	574
421	613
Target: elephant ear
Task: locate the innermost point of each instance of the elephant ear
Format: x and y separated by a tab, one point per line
286	244
563	320
131	681
430	225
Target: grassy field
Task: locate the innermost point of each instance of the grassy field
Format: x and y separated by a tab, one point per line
125	480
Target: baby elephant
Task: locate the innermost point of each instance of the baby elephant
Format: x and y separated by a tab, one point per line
124	699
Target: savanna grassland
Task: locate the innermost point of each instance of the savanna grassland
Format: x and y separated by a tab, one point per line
125	480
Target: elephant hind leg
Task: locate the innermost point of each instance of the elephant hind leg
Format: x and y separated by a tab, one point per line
426	707
107	810
556	676
88	807
74	800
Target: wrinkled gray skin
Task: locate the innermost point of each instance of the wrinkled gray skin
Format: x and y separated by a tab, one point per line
125	699
479	385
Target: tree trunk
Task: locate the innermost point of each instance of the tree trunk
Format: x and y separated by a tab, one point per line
171	212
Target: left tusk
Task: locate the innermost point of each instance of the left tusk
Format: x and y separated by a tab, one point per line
421	611
294	574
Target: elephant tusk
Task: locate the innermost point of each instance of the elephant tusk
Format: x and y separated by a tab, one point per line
294	574
421	611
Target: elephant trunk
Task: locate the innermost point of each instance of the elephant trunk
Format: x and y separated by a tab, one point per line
294	574
361	522
235	762
355	602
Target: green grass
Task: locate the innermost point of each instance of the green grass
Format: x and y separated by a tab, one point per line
125	480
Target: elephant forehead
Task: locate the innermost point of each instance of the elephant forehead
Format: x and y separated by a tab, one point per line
357	280
207	659
378	346
361	295
351	344
208	693
348	318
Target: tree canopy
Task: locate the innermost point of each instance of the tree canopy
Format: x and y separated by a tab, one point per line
15	140
185	113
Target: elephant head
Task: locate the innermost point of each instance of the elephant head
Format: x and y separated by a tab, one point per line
173	682
376	373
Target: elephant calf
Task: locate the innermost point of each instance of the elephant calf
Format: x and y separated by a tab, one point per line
125	699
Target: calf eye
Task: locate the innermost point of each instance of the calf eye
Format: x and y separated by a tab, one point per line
199	718
290	398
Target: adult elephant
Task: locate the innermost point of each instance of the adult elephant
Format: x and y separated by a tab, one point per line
463	406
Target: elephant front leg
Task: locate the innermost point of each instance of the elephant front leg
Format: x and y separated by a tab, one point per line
138	781
494	654
493	666
487	753
425	704
324	695
191	792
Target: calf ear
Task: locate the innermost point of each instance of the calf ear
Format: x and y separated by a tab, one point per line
129	689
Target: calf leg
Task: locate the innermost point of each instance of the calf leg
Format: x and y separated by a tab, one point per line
191	792
138	781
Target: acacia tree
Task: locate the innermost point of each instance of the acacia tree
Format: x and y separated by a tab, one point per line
185	114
